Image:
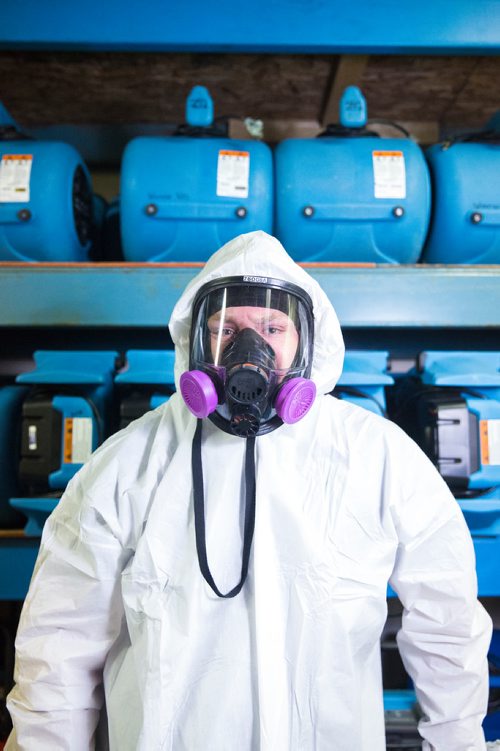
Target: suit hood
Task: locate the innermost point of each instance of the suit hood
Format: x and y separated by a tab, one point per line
260	254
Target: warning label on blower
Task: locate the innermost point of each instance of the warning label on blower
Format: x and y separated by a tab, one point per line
15	172
490	441
389	175
233	171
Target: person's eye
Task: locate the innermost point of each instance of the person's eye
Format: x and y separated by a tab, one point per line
273	330
225	331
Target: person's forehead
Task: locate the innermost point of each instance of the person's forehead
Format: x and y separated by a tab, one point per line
252	312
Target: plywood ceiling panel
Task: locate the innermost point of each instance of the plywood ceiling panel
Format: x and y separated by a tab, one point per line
45	88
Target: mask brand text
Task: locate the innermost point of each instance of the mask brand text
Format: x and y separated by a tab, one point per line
258	279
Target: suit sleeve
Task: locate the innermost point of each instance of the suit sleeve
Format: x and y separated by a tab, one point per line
70	619
445	631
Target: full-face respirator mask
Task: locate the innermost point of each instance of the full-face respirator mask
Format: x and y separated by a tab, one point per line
251	350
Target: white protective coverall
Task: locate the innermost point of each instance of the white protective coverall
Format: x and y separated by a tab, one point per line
345	502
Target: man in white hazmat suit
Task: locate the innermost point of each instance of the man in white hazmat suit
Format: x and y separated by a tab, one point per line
217	625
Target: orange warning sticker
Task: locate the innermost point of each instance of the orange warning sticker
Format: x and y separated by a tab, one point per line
234	153
68	440
388	153
8	157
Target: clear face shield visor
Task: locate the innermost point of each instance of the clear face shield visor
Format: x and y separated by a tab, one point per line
272	326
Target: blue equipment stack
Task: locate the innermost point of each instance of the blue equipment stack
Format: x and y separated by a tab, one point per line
462	409
45	199
147	382
64	418
465	225
363	380
11	399
184	196
351	196
452	410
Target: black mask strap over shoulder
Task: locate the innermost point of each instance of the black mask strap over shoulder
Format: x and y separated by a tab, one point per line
199	512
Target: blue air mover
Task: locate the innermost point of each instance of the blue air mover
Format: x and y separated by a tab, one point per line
452	409
465	226
65	417
11	398
147	382
45	199
349	195
458	425
184	196
363	380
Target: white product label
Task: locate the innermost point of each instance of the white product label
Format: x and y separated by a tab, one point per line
77	439
389	175
15	171
233	171
490	441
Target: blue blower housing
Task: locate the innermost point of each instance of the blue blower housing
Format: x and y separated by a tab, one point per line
65	417
350	196
146	383
364	379
467	439
11	399
451	407
465	416
45	202
465	225
184	196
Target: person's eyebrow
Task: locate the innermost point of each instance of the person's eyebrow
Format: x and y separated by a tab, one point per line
277	315
224	320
